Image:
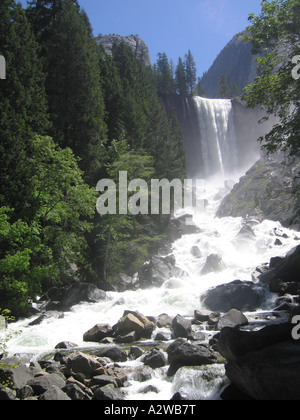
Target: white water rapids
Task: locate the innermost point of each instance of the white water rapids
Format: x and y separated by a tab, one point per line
176	295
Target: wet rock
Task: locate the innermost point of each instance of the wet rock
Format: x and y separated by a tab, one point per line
75	392
233	318
156	271
182	353
7	394
163	336
133	321
103	380
98	333
42	384
271	374
142	374
182	327
129	323
82	292
80	363
207	316
286	269
233	343
155	359
54	393
135	352
214	264
149	388
126	339
164	321
15	373
195	251
66	345
108	393
116	354
244	296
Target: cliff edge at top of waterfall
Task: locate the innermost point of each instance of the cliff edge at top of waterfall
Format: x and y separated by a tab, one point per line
266	192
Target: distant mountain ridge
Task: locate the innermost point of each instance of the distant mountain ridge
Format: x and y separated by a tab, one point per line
138	46
237	62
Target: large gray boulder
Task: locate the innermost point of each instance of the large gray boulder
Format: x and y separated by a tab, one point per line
82	292
183	353
285	269
244	296
271	374
159	269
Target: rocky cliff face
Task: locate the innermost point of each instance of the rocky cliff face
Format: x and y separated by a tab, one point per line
265	192
237	62
137	45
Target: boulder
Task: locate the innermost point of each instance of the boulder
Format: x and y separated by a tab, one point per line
129	323
126	339
182	327
233	343
15	373
7	394
148	324
97	333
214	264
155	359
41	384
103	380
108	393
164	321
76	392
233	319
124	282
183	353
82	292
207	316
114	353
271	374
244	296
54	393
142	374
195	251
133	321
65	345
80	363
286	269
156	271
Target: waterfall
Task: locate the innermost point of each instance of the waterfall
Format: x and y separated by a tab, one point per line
217	136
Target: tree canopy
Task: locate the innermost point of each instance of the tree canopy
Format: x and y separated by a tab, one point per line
275	36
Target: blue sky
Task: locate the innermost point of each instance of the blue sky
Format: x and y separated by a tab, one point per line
174	26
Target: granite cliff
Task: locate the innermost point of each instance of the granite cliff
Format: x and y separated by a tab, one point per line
236	61
134	42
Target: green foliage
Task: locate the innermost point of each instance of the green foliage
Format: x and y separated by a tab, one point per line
40	247
66	109
275	36
224	91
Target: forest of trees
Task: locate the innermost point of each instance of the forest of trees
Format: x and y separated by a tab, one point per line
183	79
70	115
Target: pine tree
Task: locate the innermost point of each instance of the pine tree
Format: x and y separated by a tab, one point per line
164	75
74	90
180	79
224	91
23	104
200	91
190	72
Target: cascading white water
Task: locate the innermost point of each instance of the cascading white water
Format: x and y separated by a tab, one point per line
217	136
177	295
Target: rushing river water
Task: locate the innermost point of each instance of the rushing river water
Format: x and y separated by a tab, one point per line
176	296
